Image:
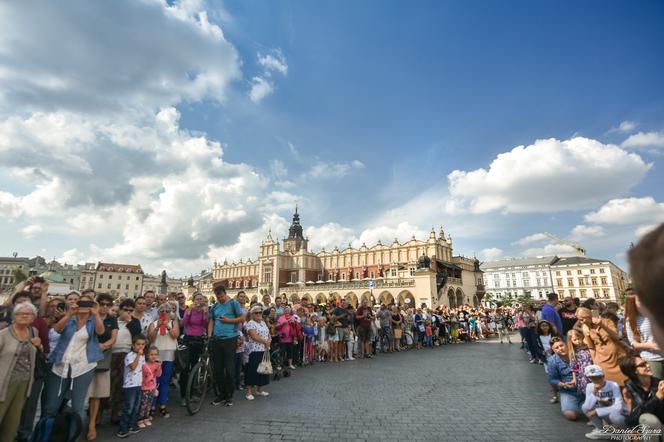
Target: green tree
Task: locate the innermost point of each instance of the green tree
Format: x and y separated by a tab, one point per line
18	276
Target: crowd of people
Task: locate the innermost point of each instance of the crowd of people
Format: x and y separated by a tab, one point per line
601	359
88	353
124	356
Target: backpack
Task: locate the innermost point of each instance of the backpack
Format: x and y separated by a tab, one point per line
58	428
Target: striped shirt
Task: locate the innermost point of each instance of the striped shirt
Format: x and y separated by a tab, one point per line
643	325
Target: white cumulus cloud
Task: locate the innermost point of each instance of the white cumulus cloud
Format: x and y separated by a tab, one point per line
535	237
490	254
582	231
548	176
628	211
645	140
260	88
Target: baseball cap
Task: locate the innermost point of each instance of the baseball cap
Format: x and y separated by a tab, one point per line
593	371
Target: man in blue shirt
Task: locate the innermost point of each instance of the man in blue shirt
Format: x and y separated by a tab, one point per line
224	316
549	313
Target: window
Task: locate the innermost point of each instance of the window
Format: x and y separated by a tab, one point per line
136	287
119	286
357	275
514	282
412	271
579	272
557	272
127	287
524	274
593	281
559	282
393	272
110	276
569	272
582	292
601	270
108	286
513	275
137	278
605	292
570	282
343	276
596	293
581	282
526	282
508	283
99	286
603	279
538	282
83	279
572	292
101	276
592	271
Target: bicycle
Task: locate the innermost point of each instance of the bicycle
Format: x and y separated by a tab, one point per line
200	379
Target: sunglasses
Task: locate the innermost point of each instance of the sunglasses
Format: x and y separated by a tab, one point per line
128	310
642	365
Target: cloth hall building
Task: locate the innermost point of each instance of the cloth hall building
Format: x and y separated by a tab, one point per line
412	273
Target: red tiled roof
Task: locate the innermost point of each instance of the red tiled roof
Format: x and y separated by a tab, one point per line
122	268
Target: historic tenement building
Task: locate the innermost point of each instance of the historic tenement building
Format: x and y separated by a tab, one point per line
415	272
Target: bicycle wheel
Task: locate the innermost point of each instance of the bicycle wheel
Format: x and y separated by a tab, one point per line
197	386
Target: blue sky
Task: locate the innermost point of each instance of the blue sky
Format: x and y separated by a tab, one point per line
361	112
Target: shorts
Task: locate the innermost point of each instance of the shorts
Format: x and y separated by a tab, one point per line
364	333
342	334
397	333
100	387
569	402
333	338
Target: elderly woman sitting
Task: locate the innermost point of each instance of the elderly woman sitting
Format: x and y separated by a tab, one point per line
18	350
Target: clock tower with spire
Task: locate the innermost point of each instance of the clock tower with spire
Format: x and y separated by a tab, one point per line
295	241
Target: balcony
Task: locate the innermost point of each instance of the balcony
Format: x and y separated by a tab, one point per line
349	285
456	281
480	290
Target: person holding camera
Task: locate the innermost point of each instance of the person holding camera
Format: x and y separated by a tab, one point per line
75	357
194	321
163	334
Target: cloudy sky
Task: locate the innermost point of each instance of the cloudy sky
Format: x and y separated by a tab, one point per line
172	134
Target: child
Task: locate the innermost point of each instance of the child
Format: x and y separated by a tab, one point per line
429	334
131	386
579	358
543	343
151	371
333	338
308	330
603	402
322	340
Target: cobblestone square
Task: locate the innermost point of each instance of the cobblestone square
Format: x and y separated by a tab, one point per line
476	391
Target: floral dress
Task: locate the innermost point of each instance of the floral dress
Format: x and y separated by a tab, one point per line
580	361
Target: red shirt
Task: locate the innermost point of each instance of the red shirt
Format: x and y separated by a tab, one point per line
364	322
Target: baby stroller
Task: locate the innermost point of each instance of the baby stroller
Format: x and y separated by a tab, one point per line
277	360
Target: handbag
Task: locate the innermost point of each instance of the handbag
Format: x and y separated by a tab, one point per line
182	356
105	364
265	367
41	366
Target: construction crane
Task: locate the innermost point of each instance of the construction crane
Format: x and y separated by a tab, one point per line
580	251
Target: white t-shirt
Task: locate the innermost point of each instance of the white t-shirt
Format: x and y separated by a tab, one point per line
75	356
133	378
607	400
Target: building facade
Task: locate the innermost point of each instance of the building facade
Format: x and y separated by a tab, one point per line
519	277
119	279
581	277
415	272
154	283
7	267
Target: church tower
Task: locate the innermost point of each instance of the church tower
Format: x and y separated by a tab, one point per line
295	241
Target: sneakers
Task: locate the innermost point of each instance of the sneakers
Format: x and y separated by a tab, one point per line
134	430
554	399
597	434
533	361
262	393
122	434
228	403
250	397
292	367
183	402
218	401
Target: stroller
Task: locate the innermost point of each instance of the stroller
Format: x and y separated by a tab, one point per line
278	366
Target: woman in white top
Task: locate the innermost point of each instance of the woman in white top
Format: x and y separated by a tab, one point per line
75	357
258	343
640	335
163	334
